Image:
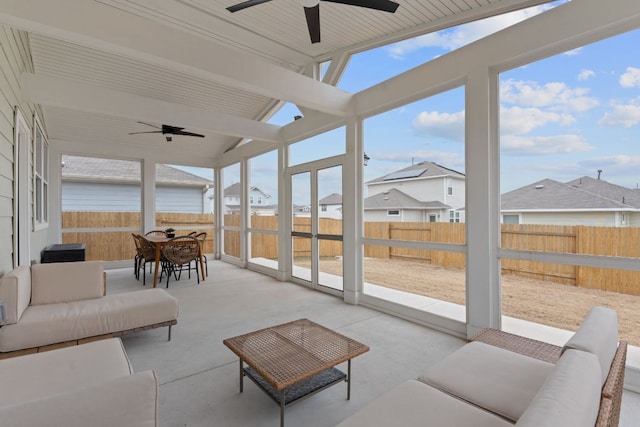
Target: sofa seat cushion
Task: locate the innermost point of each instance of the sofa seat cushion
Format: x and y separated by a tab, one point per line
55	323
570	397
129	401
38	375
414	403
498	380
598	334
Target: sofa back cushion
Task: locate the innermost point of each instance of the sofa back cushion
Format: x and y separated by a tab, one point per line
15	292
66	281
570	396
598	334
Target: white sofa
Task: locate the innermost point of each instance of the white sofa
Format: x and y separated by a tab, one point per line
485	385
87	385
65	303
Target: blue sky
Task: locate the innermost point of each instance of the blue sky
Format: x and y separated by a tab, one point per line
561	118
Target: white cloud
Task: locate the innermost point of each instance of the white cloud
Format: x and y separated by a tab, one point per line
464	34
517	120
542	145
586	74
631	78
627	115
440	125
555	95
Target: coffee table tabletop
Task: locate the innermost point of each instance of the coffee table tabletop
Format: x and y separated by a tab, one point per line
286	354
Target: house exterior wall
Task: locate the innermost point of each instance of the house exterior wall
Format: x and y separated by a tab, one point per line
15	58
457	199
85	196
419	188
330	211
601	219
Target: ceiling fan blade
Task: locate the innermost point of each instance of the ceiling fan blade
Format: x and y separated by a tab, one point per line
245	4
313	22
149	124
383	5
151	131
188	134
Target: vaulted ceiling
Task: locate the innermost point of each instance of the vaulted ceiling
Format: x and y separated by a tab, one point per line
100	67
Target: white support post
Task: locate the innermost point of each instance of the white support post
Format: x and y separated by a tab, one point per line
352	212
482	201
148	195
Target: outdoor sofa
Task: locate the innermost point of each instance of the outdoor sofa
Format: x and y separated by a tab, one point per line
60	304
500	379
91	384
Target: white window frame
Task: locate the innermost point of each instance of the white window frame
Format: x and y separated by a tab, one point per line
40	177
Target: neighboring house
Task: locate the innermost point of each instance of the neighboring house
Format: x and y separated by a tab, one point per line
259	201
107	185
330	206
425	192
583	201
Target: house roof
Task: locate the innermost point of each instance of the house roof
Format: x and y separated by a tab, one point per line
420	170
234	190
331	199
94	169
549	194
396	199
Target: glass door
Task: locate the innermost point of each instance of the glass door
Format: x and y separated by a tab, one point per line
316	227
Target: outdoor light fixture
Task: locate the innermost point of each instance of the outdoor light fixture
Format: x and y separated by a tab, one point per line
365	159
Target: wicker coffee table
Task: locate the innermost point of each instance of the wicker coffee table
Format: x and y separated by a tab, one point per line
295	360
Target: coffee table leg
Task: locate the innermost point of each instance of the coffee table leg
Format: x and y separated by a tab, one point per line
241	376
349	379
282	408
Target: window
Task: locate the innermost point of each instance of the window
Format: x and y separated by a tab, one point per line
251	199
324	208
454	216
393	213
259	200
449	187
511	219
40	177
433	218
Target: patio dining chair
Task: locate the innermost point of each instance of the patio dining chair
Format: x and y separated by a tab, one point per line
201	238
159	233
147	256
178	253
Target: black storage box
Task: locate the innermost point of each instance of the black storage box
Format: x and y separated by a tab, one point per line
65	252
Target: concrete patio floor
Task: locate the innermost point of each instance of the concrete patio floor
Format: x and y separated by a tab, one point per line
198	375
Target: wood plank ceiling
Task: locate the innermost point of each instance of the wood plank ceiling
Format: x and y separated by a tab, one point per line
264	39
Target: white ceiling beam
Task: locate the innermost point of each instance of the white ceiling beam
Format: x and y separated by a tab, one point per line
107	28
58	92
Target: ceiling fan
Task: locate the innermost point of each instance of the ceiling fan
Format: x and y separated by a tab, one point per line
312	10
168	131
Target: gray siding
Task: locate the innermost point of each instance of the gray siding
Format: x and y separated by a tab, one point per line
15	58
82	196
179	199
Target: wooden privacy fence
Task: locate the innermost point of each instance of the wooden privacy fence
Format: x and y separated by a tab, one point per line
117	245
112	243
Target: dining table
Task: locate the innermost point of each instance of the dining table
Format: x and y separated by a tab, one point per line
159	242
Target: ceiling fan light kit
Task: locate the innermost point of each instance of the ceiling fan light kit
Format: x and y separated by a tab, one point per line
312	10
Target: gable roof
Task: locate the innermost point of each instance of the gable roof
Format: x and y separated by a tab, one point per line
549	194
234	190
396	199
97	169
331	199
420	170
606	189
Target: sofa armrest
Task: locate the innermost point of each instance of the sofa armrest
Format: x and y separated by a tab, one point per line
68	281
130	400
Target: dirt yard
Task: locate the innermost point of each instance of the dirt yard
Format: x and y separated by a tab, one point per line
553	304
